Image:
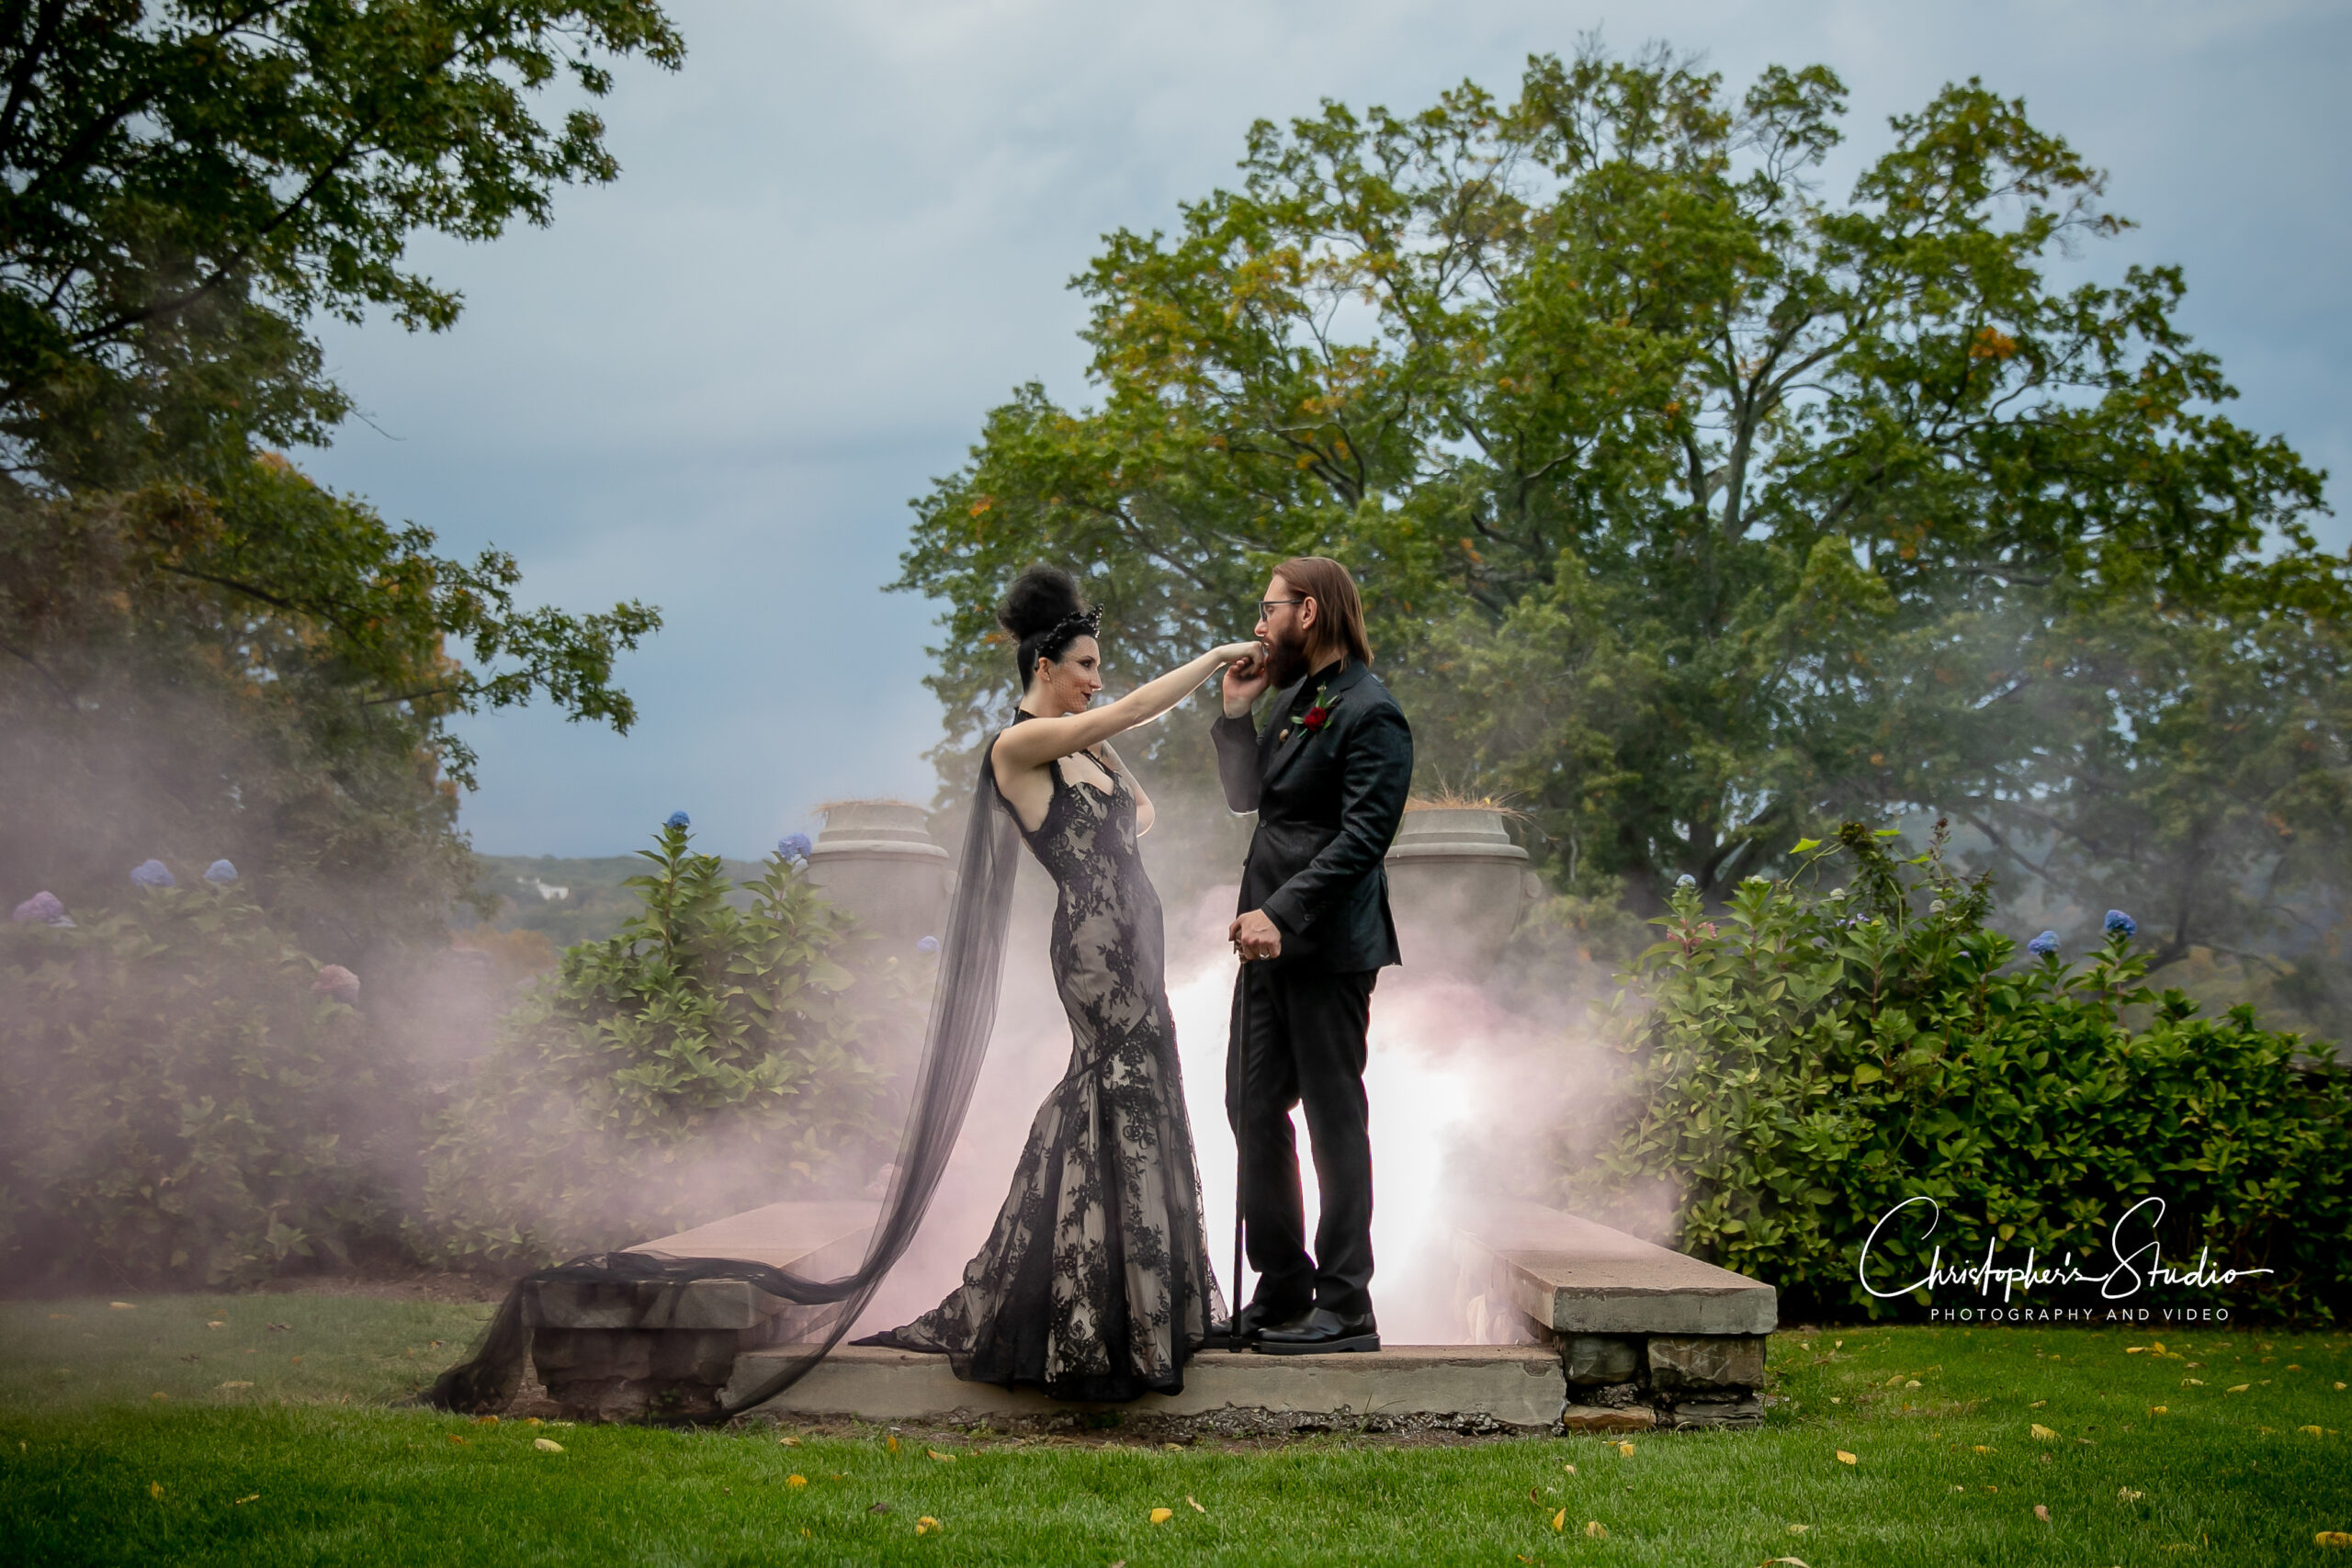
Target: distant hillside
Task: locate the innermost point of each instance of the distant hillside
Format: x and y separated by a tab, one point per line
571	900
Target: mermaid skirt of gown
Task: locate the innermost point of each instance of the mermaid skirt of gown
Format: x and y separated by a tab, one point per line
1094	1283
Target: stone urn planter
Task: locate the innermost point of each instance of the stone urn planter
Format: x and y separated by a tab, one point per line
1456	884
876	859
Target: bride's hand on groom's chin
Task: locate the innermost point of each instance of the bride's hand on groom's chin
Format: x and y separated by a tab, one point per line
1244	681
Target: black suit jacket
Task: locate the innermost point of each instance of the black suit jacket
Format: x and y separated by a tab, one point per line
1328	801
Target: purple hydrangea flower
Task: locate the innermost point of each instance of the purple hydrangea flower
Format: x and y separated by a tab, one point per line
928	944
676	819
2120	924
793	846
43	906
2043	945
1686	880
152	873
220	873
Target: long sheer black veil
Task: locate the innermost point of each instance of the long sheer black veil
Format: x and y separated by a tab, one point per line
963	1015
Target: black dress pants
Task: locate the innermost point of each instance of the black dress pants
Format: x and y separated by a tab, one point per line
1301	1042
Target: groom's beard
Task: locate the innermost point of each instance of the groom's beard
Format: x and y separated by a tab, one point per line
1286	660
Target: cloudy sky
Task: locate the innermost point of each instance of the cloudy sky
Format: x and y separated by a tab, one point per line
843	232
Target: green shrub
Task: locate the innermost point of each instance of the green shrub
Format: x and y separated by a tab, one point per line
177	1104
1802	1061
706	1059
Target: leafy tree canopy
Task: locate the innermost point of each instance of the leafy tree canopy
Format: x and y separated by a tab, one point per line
1697	509
202	653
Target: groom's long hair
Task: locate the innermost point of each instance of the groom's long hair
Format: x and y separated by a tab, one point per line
1338	608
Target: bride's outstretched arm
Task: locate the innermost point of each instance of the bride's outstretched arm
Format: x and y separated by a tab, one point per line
1039	741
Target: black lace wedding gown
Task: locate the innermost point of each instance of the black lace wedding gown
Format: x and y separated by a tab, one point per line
1095	1282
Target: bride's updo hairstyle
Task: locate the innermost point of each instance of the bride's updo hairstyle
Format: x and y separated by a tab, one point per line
1045	614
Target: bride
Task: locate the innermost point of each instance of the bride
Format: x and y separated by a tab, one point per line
1094	1283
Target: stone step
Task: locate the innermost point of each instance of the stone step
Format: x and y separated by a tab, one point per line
820	1240
1571	1275
1479	1387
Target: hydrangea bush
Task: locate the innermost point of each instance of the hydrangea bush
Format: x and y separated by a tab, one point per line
184	1108
1805	1058
705	1060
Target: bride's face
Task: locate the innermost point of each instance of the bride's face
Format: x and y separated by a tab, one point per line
1070	683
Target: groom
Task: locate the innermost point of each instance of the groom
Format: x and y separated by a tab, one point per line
1327	776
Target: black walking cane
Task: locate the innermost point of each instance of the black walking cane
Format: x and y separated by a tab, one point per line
1241	1154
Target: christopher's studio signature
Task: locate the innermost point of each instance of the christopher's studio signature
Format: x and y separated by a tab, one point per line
2133	1266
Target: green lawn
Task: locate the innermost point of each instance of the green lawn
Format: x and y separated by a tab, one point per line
309	1463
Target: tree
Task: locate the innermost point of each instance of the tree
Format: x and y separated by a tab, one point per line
1695	511
260	160
202	654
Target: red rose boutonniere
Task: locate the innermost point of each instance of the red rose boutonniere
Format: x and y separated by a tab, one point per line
1320	715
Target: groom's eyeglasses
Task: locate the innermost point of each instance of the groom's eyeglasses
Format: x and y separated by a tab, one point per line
1266	607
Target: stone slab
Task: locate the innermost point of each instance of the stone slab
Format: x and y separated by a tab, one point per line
1572	1275
1511	1385
824	1240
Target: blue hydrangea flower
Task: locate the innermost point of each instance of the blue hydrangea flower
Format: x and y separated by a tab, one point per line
220	873
2043	945
1686	880
43	906
152	873
676	819
793	846
927	945
2120	924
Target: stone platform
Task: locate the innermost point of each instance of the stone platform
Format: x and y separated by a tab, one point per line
1639	1328
1479	1388
615	1350
1602	1331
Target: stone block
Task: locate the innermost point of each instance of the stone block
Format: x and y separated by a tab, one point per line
1573	1275
1602	1358
1483	1387
1608	1418
1693	1415
1706	1361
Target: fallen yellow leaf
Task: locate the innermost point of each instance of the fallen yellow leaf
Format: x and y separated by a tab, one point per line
2133	1349
159	1393
547	1445
1560	1521
2237	1388
943	1459
217	1323
155	1489
2042	1434
2158	1410
894	1445
120	1307
789	1442
1844	1457
2157	1348
1983	1450
2041	1512
1161	1515
2314	1431
925	1525
1595	1528
2125	1495
2333	1538
455	1439
485	1420
1196	1507
1625	1449
1572	1469
248	1497
1912	1383
796	1481
1798	1561
1799	1529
